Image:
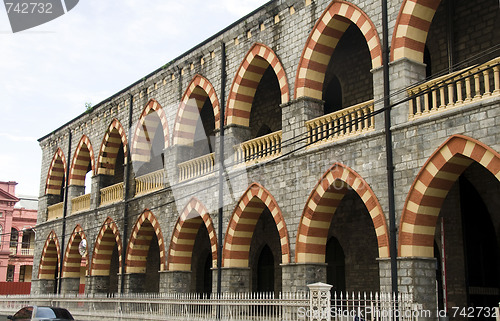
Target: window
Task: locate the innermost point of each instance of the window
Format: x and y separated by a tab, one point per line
22	272
1	232
14	236
10	273
24	313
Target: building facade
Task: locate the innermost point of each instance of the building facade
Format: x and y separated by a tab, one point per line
305	191
17	235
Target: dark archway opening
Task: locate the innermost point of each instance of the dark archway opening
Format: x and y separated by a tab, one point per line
114	269
265	270
152	277
204	136
201	263
335	260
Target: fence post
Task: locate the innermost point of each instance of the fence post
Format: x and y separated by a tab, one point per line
319	301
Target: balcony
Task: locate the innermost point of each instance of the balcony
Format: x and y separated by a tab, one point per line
80	203
459	88
350	121
196	167
149	183
258	149
55	211
112	194
27	251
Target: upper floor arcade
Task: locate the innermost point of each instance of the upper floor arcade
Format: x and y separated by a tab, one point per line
283	95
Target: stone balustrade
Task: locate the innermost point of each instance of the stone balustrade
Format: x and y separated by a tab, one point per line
196	167
112	194
80	203
55	211
259	149
347	122
150	182
456	89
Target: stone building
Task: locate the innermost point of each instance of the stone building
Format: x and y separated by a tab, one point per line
305	191
17	236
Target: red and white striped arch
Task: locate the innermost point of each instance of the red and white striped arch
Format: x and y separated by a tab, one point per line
432	184
320	209
195	96
181	246
84	154
56	173
152	117
106	240
248	76
322	42
50	257
240	229
72	259
412	26
115	135
137	251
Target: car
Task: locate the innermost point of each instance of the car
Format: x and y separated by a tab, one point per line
41	313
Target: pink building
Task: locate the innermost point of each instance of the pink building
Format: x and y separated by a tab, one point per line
17	234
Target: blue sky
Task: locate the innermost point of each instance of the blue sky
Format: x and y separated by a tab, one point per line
49	72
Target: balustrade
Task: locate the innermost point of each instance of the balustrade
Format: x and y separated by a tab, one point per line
259	149
150	182
80	203
112	194
347	122
456	89
55	211
196	167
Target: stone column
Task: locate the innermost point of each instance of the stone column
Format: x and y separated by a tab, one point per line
42	286
174	155
98	182
416	275
294	115
175	281
233	136
74	191
134	283
233	280
70	285
297	276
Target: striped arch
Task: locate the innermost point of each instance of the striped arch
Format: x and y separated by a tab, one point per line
181	246
72	258
432	184
109	148
412	26
322	42
146	129
192	102
103	249
240	229
320	209
55	176
249	74
50	256
137	251
84	154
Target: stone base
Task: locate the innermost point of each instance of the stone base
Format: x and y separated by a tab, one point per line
70	285
416	275
233	280
43	286
297	276
134	283
100	284
175	281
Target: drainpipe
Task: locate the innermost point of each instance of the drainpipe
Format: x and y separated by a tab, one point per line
65	211
127	196
388	151
221	167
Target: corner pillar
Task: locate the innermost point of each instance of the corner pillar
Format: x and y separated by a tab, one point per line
297	276
175	281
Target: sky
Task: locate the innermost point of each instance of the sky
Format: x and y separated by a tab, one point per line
48	73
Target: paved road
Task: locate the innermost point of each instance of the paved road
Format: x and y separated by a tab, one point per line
3	317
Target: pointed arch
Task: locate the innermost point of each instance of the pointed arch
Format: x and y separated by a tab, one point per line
137	250
72	258
84	154
247	79
181	246
115	135
432	184
51	254
322	42
55	177
107	237
192	101
146	129
412	25
321	206
241	226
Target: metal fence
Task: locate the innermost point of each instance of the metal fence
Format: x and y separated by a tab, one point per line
313	305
